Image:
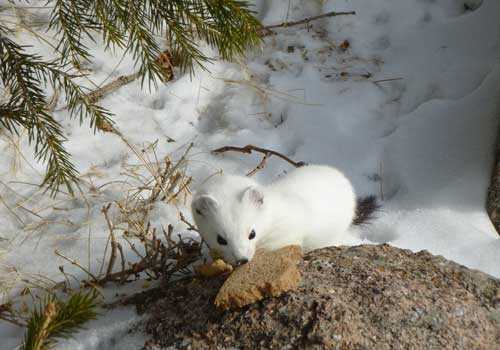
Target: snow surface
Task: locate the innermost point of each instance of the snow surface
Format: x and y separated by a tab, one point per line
409	112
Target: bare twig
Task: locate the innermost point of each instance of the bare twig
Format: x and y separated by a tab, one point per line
122	257
74	262
267	153
164	59
190	226
122	80
267	30
260	166
134	249
183	252
381	182
384	80
114	248
122	276
105	249
168	234
99	93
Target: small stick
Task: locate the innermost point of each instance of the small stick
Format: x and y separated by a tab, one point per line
99	93
104	210
168	234
164	60
112	258
381	182
74	262
134	249
142	266
259	166
384	80
122	80
267	29
249	148
114	247
191	227
122	276
122	256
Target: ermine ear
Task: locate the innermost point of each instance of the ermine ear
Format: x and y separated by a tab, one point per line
204	204
253	195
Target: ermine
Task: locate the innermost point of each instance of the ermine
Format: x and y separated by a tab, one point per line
312	206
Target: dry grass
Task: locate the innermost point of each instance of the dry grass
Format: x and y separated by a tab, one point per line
158	252
134	248
153	252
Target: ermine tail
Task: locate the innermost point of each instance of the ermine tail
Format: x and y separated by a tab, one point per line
365	210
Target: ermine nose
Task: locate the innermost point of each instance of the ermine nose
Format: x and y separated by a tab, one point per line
241	261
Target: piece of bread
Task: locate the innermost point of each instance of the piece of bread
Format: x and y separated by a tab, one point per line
216	268
269	273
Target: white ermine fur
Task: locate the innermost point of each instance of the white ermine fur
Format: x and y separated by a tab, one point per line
312	206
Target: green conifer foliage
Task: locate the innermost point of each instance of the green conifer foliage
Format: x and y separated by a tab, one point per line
140	27
54	319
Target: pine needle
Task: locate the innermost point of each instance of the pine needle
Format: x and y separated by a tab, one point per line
54	319
134	26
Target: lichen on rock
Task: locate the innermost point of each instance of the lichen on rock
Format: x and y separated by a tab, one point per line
364	297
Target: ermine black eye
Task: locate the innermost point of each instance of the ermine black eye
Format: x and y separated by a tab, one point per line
252	235
221	240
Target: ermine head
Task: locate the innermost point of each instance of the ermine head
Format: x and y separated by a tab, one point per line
230	222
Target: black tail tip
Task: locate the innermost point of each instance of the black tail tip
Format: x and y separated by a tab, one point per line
365	209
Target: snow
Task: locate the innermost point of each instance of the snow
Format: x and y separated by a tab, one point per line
418	131
103	334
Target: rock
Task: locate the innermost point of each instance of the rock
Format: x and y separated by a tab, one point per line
269	273
493	199
364	297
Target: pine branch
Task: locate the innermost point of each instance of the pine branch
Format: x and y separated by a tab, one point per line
21	74
141	41
54	319
72	22
25	76
227	25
